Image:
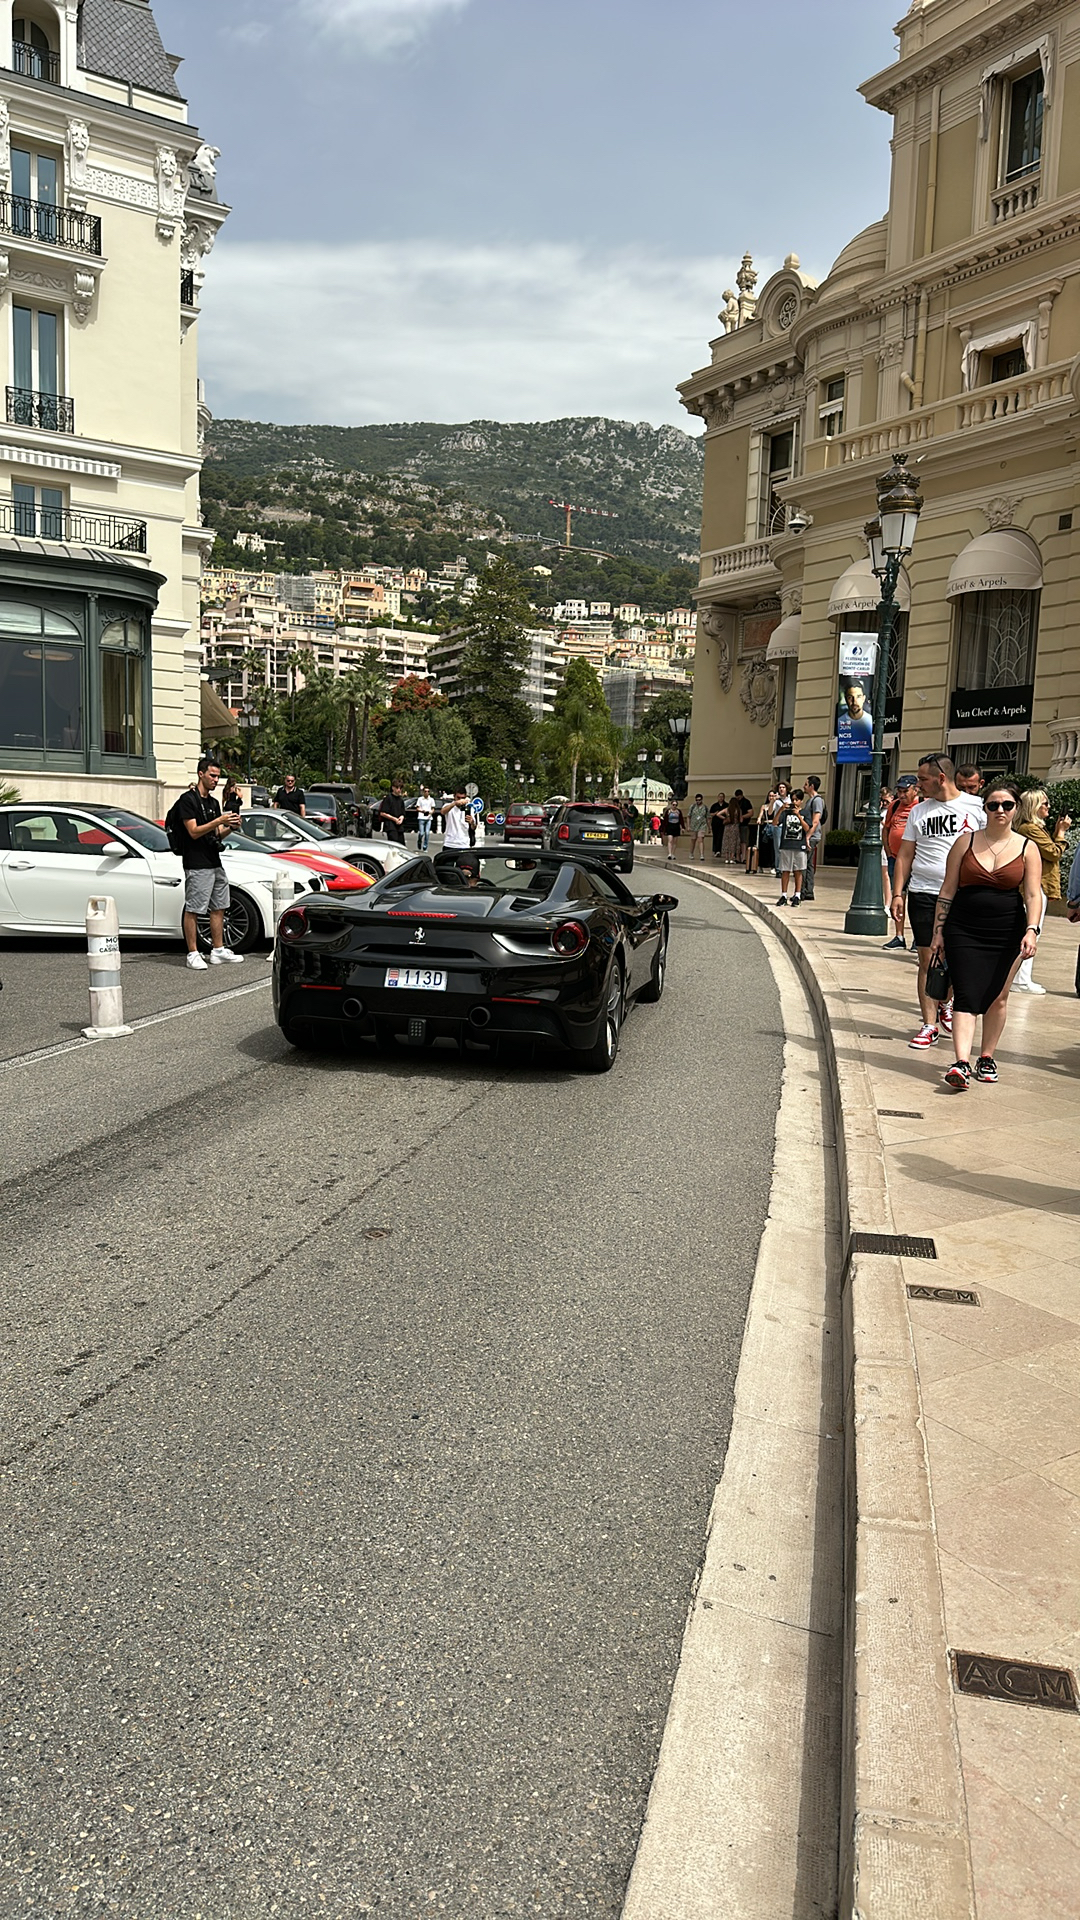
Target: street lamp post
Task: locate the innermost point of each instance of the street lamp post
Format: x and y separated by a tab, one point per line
890	537
247	719
679	725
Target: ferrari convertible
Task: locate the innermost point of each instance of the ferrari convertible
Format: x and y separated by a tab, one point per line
478	946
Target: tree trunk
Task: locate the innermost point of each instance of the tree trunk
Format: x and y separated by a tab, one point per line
364	735
573	779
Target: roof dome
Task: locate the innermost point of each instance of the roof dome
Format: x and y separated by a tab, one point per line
861	255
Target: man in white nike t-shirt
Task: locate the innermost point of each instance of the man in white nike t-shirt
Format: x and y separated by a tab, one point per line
456	830
939	818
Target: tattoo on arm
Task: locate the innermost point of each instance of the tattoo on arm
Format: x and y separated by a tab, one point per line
941	913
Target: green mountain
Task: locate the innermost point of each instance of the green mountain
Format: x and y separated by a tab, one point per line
648	478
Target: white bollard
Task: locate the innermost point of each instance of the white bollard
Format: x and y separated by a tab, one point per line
284	893
103	955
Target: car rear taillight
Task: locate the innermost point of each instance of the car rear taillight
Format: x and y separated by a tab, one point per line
570	939
562	833
293	924
627	836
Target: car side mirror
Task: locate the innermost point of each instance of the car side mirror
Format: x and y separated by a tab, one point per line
663	902
118	851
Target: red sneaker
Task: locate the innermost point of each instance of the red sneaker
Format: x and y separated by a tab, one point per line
926	1037
944	1014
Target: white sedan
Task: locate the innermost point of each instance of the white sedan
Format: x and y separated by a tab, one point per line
53	857
272	828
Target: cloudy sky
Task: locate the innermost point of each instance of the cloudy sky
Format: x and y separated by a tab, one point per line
513	209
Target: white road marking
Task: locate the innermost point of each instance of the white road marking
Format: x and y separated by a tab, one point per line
148	1020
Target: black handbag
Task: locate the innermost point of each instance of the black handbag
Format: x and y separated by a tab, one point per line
938	984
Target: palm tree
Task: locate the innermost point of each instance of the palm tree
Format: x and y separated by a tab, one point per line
363	687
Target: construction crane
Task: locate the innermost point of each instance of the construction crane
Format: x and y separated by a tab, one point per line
567	507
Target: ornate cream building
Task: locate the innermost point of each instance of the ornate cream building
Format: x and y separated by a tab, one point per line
950	329
108	208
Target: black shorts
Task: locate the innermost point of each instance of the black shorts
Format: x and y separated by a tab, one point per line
920	913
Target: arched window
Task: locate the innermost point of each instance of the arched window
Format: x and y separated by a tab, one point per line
33	52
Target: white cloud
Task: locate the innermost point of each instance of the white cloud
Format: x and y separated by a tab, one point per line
249	33
380	26
428	331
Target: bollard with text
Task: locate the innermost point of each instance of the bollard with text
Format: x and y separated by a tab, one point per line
284	892
103	957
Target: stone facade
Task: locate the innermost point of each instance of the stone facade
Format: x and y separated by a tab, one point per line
950	330
108	211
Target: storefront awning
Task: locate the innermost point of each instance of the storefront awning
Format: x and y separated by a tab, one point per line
784	641
218	723
859	591
999	562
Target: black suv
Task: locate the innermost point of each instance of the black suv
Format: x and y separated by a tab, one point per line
591	826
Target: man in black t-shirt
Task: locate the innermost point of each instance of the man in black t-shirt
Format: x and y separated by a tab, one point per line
290	797
206	890
392	814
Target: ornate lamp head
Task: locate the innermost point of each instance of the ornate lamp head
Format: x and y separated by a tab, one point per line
900	503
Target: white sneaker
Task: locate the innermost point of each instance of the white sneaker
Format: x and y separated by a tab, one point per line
221	955
1027	986
196	962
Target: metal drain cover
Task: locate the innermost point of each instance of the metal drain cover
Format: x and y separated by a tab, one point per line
994	1678
907	1245
949	1296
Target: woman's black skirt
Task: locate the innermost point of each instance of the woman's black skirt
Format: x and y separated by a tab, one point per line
983	934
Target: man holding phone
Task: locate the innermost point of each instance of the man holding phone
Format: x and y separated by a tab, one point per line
206	890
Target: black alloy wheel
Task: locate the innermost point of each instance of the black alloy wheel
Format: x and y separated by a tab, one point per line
243	925
602	1055
653	991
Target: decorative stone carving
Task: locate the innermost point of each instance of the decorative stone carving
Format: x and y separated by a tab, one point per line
5	147
1000	511
76	148
197	241
127	188
202	170
791	601
170	192
205	420
717	409
788	312
758	691
717	624
746	280
729	312
82	298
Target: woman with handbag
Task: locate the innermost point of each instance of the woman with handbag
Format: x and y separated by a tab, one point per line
986	921
1032	817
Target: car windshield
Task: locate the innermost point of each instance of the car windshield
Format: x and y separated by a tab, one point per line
144	832
531	876
312	827
593	816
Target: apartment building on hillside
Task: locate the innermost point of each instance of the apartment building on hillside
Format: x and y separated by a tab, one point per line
108	209
949	330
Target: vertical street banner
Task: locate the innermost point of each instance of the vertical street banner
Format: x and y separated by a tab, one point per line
855	704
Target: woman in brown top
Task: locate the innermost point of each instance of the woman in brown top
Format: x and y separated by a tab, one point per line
1032	820
987	919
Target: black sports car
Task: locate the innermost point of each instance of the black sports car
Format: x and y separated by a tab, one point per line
478	945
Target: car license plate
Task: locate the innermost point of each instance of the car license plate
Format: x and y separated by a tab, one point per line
594	836
426	979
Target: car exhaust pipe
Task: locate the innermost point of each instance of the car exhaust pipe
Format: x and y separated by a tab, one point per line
352	1009
480	1017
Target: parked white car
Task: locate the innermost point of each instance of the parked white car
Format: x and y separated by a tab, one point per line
54	857
273	828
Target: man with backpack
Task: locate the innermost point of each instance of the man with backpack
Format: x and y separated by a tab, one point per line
815	813
196	827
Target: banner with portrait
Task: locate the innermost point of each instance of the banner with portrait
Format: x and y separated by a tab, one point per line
855	702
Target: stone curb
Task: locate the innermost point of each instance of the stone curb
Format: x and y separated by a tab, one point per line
904	1846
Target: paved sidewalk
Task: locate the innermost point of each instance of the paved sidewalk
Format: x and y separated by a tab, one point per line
993	1176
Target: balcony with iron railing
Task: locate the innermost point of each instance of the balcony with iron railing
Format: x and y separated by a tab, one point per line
66	227
35	63
116	531
54	412
187	288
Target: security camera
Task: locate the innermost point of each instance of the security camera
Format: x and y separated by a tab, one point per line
798	521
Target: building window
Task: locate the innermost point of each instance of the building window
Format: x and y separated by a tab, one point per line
831	412
42	677
32	52
34	179
997	639
779	464
1008	365
37	512
1023	121
35	399
122	651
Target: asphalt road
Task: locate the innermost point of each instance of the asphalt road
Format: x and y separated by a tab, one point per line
360	1424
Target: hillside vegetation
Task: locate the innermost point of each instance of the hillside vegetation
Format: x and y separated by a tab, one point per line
499	476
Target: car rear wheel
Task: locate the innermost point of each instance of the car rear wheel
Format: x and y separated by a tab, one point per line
602	1055
243	925
655	987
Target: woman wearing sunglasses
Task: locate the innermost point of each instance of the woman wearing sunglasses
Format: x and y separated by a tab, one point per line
986	922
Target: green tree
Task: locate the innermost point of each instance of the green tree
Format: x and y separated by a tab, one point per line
654	734
494	660
580	735
364	688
